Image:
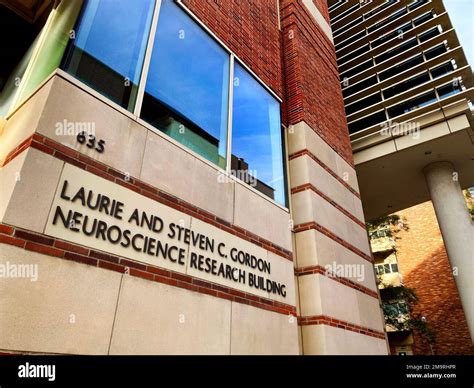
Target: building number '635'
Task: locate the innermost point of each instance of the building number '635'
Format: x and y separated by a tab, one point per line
90	141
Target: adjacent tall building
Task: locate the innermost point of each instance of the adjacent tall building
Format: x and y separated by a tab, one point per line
407	91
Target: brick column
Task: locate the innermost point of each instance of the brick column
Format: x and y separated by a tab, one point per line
339	308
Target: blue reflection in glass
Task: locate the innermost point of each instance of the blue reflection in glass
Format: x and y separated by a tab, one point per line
109	48
187	89
257	134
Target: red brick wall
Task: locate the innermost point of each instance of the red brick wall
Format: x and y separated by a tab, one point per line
250	30
312	78
424	265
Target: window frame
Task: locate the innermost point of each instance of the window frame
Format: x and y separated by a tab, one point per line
380	268
135	113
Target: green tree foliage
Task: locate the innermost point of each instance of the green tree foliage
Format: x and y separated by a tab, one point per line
391	297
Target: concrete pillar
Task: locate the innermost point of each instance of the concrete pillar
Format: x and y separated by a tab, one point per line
457	230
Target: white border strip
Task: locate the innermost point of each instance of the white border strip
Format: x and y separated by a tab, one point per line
147	59
319	18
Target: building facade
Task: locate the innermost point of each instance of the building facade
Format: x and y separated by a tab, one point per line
424	266
177	178
407	91
410	256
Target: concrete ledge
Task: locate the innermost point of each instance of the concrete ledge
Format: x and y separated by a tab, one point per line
141	152
327	340
310	207
302	137
315	248
321	295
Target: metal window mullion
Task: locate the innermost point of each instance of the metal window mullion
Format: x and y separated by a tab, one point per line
147	59
229	114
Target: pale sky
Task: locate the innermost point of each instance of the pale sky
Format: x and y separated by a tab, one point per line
461	13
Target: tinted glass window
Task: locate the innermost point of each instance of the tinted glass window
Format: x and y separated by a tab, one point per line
429	34
423	18
397	69
348	41
346	12
398	32
357	69
187	90
406	85
442	70
387	20
108	50
354	54
379	9
367	122
416	4
257	135
359	86
396	51
347	27
412	104
364	103
449	89
434	52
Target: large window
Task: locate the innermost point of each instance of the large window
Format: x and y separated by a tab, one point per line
412	104
108	49
187	90
408	84
367	121
187	93
256	136
171	72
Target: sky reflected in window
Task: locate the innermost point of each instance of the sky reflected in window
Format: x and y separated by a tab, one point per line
256	131
189	72
109	48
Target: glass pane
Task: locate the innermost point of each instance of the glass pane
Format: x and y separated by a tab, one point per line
442	70
394	268
449	90
52	49
257	148
43	56
406	85
10	89
187	90
434	52
387	268
108	50
415	103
